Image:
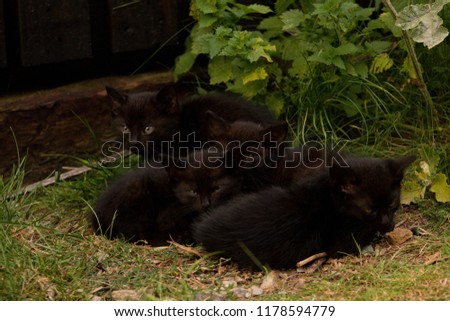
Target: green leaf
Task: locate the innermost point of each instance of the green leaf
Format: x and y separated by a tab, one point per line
250	89
238	11
388	20
377	46
271	23
211	44
300	67
220	70
260	48
411	192
184	63
330	7
440	188
291	19
275	103
258	73
206	21
201	44
338	62
361	69
282	5
346	49
408	68
294	48
381	63
206	6
259	8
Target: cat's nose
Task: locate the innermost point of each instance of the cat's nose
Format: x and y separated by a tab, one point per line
205	203
386	223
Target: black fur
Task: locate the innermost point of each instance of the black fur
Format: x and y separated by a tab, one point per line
145	120
330	211
157	204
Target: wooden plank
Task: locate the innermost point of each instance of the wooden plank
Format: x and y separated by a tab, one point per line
54	31
2	37
141	25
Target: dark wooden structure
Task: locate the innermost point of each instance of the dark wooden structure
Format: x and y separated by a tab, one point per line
53	31
2	37
53	42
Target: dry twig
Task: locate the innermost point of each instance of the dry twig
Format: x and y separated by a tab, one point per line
311	259
187	249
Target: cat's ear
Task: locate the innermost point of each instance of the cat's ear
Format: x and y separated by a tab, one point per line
216	125
276	132
167	97
117	99
344	179
399	165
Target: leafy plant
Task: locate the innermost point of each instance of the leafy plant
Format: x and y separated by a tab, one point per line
420	23
426	179
255	49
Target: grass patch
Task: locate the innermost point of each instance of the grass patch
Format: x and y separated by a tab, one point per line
49	252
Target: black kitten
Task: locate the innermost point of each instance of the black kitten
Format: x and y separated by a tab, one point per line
148	121
145	120
249	144
335	210
231	108
232	134
157	204
292	164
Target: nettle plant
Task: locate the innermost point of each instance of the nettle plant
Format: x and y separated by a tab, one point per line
328	53
259	51
274	52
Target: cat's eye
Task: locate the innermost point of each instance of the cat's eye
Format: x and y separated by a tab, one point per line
148	130
125	129
369	211
192	192
216	188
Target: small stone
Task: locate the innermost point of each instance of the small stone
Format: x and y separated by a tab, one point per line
229	283
398	236
368	250
256	290
241	293
270	282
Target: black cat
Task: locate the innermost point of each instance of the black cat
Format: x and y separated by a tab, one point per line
149	121
145	120
231	108
250	144
292	164
157	204
335	210
262	154
233	134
